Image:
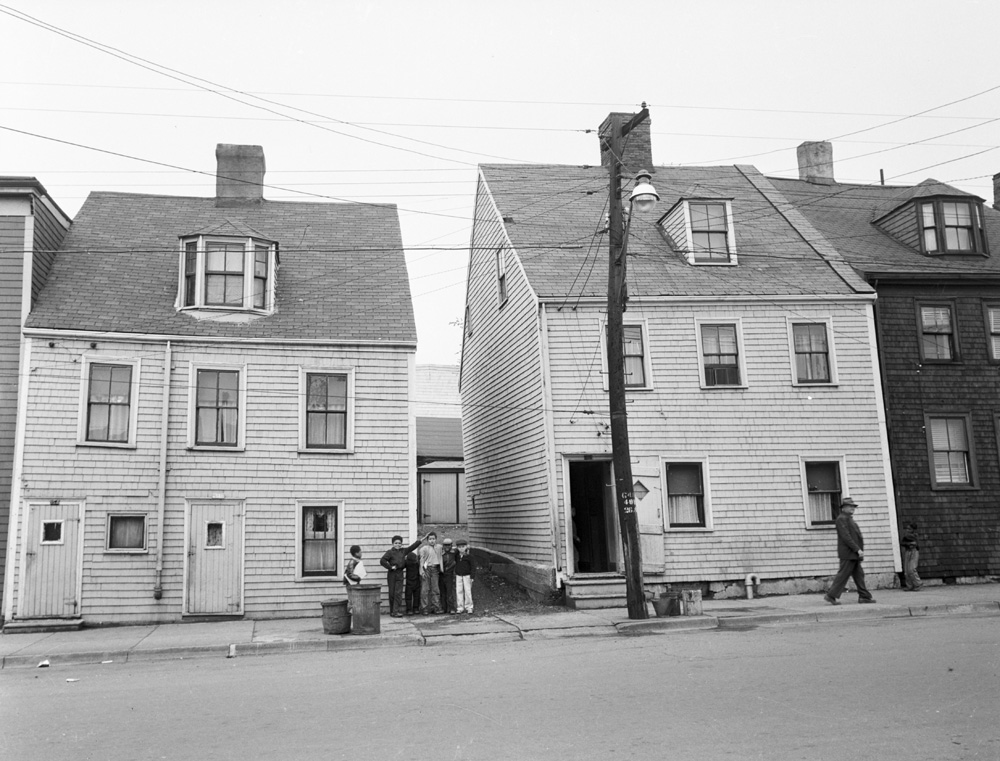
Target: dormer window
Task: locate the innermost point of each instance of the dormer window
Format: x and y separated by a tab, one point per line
951	227
227	273
703	229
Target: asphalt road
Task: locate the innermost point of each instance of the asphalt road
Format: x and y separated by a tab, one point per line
914	689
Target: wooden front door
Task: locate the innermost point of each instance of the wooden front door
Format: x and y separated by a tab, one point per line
215	559
51	561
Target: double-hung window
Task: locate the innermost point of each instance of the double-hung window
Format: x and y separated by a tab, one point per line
938	339
993	329
327	410
811	353
635	356
951	227
721	364
229	273
218	402
702	228
685	495
108	404
318	548
501	277
950	450
823	487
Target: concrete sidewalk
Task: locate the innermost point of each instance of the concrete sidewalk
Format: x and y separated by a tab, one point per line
259	637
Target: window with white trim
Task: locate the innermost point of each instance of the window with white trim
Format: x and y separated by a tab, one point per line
326	421
823	481
938	338
685	494
126	532
228	273
702	228
719	348
501	277
110	394
635	355
993	329
811	353
319	545
950	450
216	408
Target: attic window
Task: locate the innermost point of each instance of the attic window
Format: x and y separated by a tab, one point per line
228	273
951	227
702	228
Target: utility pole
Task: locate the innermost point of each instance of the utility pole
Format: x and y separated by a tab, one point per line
621	458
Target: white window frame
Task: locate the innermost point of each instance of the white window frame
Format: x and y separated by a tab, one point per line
845	487
647	368
830	352
706	480
193	402
62	531
992	328
127	550
740	348
94	359
730	235
249	249
973	471
348	448
300	506
501	264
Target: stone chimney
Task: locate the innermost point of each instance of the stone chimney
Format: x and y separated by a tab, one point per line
816	162
239	174
637	147
996	191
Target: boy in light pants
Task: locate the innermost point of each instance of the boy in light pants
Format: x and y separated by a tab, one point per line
465	572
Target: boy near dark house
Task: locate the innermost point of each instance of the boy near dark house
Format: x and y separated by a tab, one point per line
394	562
465	572
448	559
411	592
910	543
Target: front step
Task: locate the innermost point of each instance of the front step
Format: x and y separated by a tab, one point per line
33	625
594	591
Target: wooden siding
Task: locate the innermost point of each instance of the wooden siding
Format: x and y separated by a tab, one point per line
960	529
503	410
11	268
48	233
754	437
269	477
904	226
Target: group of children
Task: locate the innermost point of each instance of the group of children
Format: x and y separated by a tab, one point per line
426	577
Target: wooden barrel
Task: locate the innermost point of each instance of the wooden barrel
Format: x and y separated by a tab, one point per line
366	600
336	619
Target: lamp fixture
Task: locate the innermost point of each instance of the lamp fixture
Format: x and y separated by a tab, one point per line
644	195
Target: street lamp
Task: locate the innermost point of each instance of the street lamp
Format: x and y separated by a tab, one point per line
642	198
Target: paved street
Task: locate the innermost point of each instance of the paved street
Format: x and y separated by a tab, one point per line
913	688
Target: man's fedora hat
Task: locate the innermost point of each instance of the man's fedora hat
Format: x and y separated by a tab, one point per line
848	501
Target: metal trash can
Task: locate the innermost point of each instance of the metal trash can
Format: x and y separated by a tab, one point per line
667	604
336	619
365	606
692	602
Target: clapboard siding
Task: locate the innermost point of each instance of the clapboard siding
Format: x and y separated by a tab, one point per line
960	530
753	437
503	423
268	477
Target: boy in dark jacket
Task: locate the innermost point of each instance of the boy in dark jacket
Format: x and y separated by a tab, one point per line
910	543
411	592
465	572
394	562
448	558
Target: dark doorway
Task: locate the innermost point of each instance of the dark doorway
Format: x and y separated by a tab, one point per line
593	520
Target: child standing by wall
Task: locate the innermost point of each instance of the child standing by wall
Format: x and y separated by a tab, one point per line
465	572
412	592
394	561
910	542
448	557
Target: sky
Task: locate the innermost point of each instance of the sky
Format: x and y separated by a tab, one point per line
399	101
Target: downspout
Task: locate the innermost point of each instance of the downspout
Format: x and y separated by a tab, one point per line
162	501
752	580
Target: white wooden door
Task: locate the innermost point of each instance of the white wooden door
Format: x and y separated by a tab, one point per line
649	509
51	561
439	498
215	559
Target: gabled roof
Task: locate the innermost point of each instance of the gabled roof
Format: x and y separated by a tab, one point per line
342	275
845	214
554	216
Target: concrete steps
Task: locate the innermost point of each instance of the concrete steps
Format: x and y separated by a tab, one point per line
31	625
596	590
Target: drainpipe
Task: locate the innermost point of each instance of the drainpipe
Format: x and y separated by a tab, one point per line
752	580
162	501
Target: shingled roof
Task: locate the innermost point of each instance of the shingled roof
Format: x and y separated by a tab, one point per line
342	275
554	216
845	213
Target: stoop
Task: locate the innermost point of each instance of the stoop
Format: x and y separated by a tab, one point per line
595	590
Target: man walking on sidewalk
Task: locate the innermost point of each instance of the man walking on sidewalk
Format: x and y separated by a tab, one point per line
851	551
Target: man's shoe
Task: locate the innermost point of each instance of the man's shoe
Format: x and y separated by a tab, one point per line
831	600
866	600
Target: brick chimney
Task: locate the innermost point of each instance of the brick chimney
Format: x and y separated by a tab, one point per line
996	191
816	162
239	174
637	147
